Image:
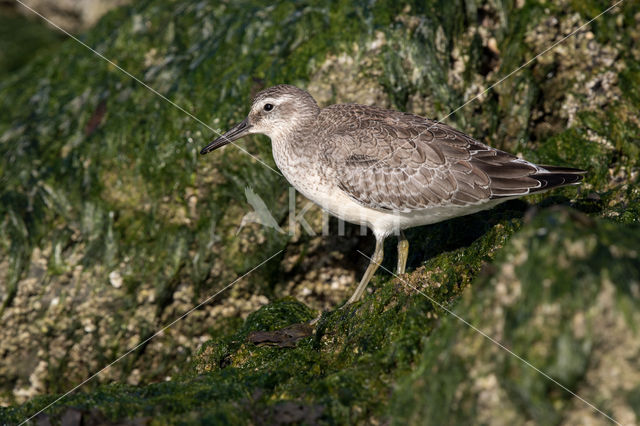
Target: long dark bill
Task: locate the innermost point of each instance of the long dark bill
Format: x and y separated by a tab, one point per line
236	132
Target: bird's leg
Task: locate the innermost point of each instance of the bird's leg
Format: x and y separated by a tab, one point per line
403	253
375	261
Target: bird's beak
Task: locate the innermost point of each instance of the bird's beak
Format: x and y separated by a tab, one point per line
236	132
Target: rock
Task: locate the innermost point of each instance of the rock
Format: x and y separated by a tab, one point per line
71	15
564	300
112	226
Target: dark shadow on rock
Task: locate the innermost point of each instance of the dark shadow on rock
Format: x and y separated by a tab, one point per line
426	242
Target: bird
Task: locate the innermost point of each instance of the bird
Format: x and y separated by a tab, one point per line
386	169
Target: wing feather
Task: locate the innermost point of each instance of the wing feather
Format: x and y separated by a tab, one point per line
402	162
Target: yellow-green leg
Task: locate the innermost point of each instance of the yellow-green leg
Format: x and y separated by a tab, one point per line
375	261
403	253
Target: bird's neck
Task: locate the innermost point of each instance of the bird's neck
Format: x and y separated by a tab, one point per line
297	145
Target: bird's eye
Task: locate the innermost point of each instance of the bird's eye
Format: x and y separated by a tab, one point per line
268	107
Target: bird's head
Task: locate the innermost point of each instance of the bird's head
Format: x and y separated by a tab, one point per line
275	112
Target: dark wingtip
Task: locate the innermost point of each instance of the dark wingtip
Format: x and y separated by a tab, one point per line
549	177
564	170
558	179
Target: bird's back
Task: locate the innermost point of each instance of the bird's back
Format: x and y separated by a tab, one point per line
390	160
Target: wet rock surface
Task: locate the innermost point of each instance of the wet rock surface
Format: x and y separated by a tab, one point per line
564	296
112	226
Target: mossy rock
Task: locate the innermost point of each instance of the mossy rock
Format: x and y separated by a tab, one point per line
562	295
564	298
112	226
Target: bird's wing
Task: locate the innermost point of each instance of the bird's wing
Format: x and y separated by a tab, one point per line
388	160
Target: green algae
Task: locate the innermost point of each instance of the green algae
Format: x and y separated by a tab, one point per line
334	369
97	172
347	370
21	39
545	304
114	181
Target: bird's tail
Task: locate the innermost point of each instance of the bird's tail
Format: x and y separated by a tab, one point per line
555	176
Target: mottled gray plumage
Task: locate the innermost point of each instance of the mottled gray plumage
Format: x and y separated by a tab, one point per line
390	160
386	169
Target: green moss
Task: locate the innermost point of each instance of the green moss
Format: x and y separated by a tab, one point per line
333	371
553	280
99	175
94	158
21	39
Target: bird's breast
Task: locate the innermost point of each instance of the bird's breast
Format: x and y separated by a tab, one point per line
314	179
302	170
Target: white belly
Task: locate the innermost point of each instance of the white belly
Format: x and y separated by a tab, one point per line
310	182
335	201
